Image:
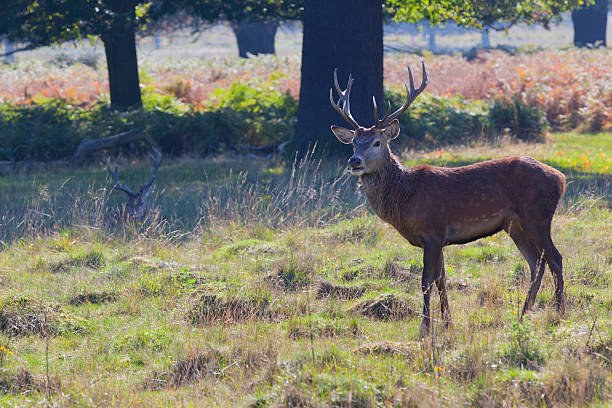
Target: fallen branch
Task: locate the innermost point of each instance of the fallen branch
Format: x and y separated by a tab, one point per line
26	48
88	146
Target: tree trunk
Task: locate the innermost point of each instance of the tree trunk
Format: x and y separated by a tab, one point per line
485	39
8	48
122	61
255	37
343	34
590	24
431	37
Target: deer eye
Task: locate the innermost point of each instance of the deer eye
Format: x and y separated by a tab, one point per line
376	143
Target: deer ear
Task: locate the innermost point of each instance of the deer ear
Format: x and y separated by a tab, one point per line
392	131
344	135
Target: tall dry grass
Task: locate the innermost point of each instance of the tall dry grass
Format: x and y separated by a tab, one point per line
304	192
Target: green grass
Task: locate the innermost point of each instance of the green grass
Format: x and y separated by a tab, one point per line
258	287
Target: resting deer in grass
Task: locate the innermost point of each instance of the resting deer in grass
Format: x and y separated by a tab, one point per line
437	206
135	206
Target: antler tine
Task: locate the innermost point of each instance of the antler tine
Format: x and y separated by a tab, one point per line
345	109
376	121
415	92
115	175
411	94
157	161
336	84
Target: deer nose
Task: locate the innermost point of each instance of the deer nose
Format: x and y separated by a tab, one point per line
355	161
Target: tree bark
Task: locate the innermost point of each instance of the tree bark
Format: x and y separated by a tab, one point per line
343	34
255	37
590	24
121	59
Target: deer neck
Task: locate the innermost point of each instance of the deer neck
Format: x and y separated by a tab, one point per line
380	186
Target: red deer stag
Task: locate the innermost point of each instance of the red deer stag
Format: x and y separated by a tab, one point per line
437	206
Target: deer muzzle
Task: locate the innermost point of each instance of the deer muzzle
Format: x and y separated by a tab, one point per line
356	164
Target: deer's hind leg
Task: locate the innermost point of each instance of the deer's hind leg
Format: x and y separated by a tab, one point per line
534	258
441	284
539	235
555	263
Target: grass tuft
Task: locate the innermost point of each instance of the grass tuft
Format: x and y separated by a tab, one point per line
24	382
408	350
384	307
22	316
211	308
345	292
292	276
93	298
89	259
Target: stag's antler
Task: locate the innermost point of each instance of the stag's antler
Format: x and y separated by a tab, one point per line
144	190
345	109
113	173
156	162
136	201
411	95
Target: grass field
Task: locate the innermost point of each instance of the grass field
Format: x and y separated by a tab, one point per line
264	283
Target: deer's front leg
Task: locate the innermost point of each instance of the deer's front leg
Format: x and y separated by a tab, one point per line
432	267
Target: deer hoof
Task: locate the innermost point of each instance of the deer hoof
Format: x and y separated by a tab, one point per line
560	303
424	328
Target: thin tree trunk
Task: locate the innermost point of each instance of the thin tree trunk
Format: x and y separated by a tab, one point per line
8	48
343	34
590	24
431	36
255	37
122	61
485	39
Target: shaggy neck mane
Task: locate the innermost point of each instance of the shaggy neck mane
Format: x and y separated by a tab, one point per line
385	186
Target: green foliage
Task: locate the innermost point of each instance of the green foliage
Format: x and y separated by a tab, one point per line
143	339
237	10
39	23
482	13
443	120
524	121
244	114
267	112
440	120
154	101
523	350
53	129
42	132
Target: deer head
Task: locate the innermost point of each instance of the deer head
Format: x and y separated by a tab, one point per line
135	207
370	145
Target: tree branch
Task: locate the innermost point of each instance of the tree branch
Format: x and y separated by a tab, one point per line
93	145
26	48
